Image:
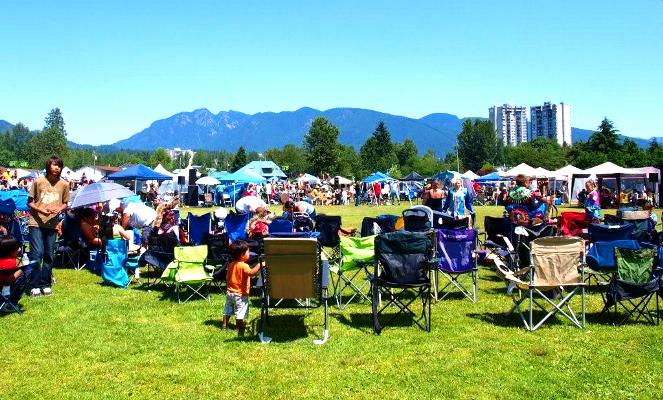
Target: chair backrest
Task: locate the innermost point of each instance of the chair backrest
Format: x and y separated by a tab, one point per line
328	226
302	223
280	225
449	222
199	227
403	257
218	249
355	250
292	268
190	256
555	260
418	219
235	225
496	227
607	233
164	243
601	255
635	265
455	249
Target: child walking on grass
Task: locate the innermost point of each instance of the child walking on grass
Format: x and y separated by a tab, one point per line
238	279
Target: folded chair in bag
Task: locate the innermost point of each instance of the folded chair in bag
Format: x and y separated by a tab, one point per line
572	223
608	233
634	286
293	270
548	285
456	255
114	263
356	252
198	228
188	272
401	274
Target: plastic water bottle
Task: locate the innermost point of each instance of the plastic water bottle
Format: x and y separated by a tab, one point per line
25	260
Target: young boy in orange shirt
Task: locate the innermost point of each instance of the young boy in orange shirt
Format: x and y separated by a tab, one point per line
238	279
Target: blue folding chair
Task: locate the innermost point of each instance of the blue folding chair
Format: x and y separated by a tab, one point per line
199	228
235	225
609	233
115	258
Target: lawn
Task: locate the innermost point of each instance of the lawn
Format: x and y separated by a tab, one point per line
91	341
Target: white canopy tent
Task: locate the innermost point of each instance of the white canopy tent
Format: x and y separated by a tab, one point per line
521	168
469	175
160	169
605	172
341	180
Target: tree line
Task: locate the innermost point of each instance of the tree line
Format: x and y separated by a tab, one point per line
478	149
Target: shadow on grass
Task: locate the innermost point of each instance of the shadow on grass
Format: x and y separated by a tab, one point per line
281	328
364	322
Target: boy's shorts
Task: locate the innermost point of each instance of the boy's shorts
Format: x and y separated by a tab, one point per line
238	305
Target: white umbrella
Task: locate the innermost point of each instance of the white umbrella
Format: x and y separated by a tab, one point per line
99	192
208	181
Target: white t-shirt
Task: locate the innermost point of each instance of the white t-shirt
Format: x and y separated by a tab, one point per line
139	214
249	204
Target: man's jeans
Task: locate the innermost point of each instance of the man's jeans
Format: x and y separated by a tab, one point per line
42	246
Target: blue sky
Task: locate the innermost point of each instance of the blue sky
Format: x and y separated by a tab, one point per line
114	67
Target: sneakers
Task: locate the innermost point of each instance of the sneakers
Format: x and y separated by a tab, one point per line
35	292
47	291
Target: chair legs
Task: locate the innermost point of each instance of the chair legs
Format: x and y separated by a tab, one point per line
545	301
454	280
345	280
395	296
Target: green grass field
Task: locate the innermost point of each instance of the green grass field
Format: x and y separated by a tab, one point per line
91	341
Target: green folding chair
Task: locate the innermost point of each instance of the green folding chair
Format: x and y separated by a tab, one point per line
188	273
356	252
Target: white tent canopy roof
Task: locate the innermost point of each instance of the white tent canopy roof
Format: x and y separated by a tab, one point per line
541	172
608	168
566	171
469	175
160	169
341	180
521	168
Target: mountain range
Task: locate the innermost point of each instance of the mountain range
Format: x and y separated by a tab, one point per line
228	130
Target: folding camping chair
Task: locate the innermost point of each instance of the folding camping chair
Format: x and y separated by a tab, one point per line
550	282
418	219
70	246
208	199
639	220
293	270
235	225
601	264
280	225
401	272
497	238
608	233
633	286
160	252
328	226
456	255
356	252
218	257
198	227
572	223
188	272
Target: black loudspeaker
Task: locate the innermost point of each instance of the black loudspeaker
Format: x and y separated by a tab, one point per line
192	176
653	178
336	181
192	196
181	180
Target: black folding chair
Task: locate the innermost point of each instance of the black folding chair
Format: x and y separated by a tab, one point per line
401	274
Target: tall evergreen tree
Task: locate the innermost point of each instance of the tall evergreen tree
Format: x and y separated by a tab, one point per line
239	160
322	147
478	144
377	153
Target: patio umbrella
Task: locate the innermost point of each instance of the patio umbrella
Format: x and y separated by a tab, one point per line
208	181
98	193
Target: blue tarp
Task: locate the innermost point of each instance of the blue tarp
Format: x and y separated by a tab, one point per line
12	200
138	172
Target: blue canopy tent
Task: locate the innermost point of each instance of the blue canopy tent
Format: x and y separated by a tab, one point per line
138	172
235	181
377	177
443	176
490	178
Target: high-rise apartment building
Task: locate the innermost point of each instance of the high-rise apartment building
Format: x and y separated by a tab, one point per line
552	121
510	123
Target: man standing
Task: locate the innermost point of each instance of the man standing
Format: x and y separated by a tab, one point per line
47	198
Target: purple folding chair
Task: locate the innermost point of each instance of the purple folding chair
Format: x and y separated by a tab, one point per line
456	254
